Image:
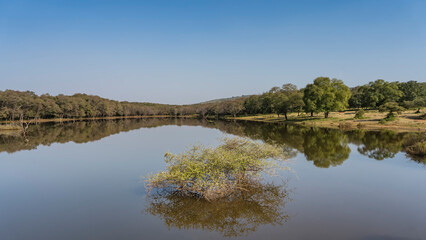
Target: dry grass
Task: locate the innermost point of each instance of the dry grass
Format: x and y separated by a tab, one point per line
407	121
9	127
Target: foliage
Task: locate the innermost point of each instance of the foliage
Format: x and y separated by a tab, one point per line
359	114
252	104
391	107
418	103
390	117
379	92
27	105
326	95
212	173
412	90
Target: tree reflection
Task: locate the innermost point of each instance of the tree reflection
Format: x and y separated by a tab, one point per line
325	147
244	212
378	145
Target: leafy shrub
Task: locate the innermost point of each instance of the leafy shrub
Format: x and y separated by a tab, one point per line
359	114
390	117
213	173
391	107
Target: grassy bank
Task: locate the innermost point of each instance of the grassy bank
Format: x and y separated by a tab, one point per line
407	121
9	127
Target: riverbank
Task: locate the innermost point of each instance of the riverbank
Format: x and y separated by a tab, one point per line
407	121
93	118
9	127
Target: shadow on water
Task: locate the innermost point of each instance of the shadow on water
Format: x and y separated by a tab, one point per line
236	216
324	147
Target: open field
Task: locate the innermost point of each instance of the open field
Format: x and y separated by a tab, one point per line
407	121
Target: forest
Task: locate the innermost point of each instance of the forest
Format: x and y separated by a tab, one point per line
324	95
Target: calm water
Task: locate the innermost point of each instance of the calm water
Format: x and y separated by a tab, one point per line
83	181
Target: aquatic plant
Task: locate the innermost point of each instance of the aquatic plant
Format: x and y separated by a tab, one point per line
213	173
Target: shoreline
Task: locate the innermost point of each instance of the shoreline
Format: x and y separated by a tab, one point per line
405	122
46	120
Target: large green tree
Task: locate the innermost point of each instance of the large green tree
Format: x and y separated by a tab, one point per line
289	100
326	95
379	92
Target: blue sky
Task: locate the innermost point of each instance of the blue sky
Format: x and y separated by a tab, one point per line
188	51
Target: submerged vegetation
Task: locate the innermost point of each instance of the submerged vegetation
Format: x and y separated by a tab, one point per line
213	173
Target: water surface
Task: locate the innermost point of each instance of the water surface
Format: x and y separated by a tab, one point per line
83	181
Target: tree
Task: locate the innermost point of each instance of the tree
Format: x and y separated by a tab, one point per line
288	99
356	99
380	92
412	90
266	103
252	105
311	96
418	102
279	103
234	107
391	107
326	95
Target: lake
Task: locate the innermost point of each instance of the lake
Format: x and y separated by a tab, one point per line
84	180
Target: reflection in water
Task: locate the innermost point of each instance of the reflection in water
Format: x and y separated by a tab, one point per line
378	145
325	147
234	216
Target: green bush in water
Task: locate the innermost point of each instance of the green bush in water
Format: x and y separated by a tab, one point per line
213	173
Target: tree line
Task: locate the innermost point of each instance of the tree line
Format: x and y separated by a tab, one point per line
323	95
28	105
327	95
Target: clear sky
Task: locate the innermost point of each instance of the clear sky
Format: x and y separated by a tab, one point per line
188	51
